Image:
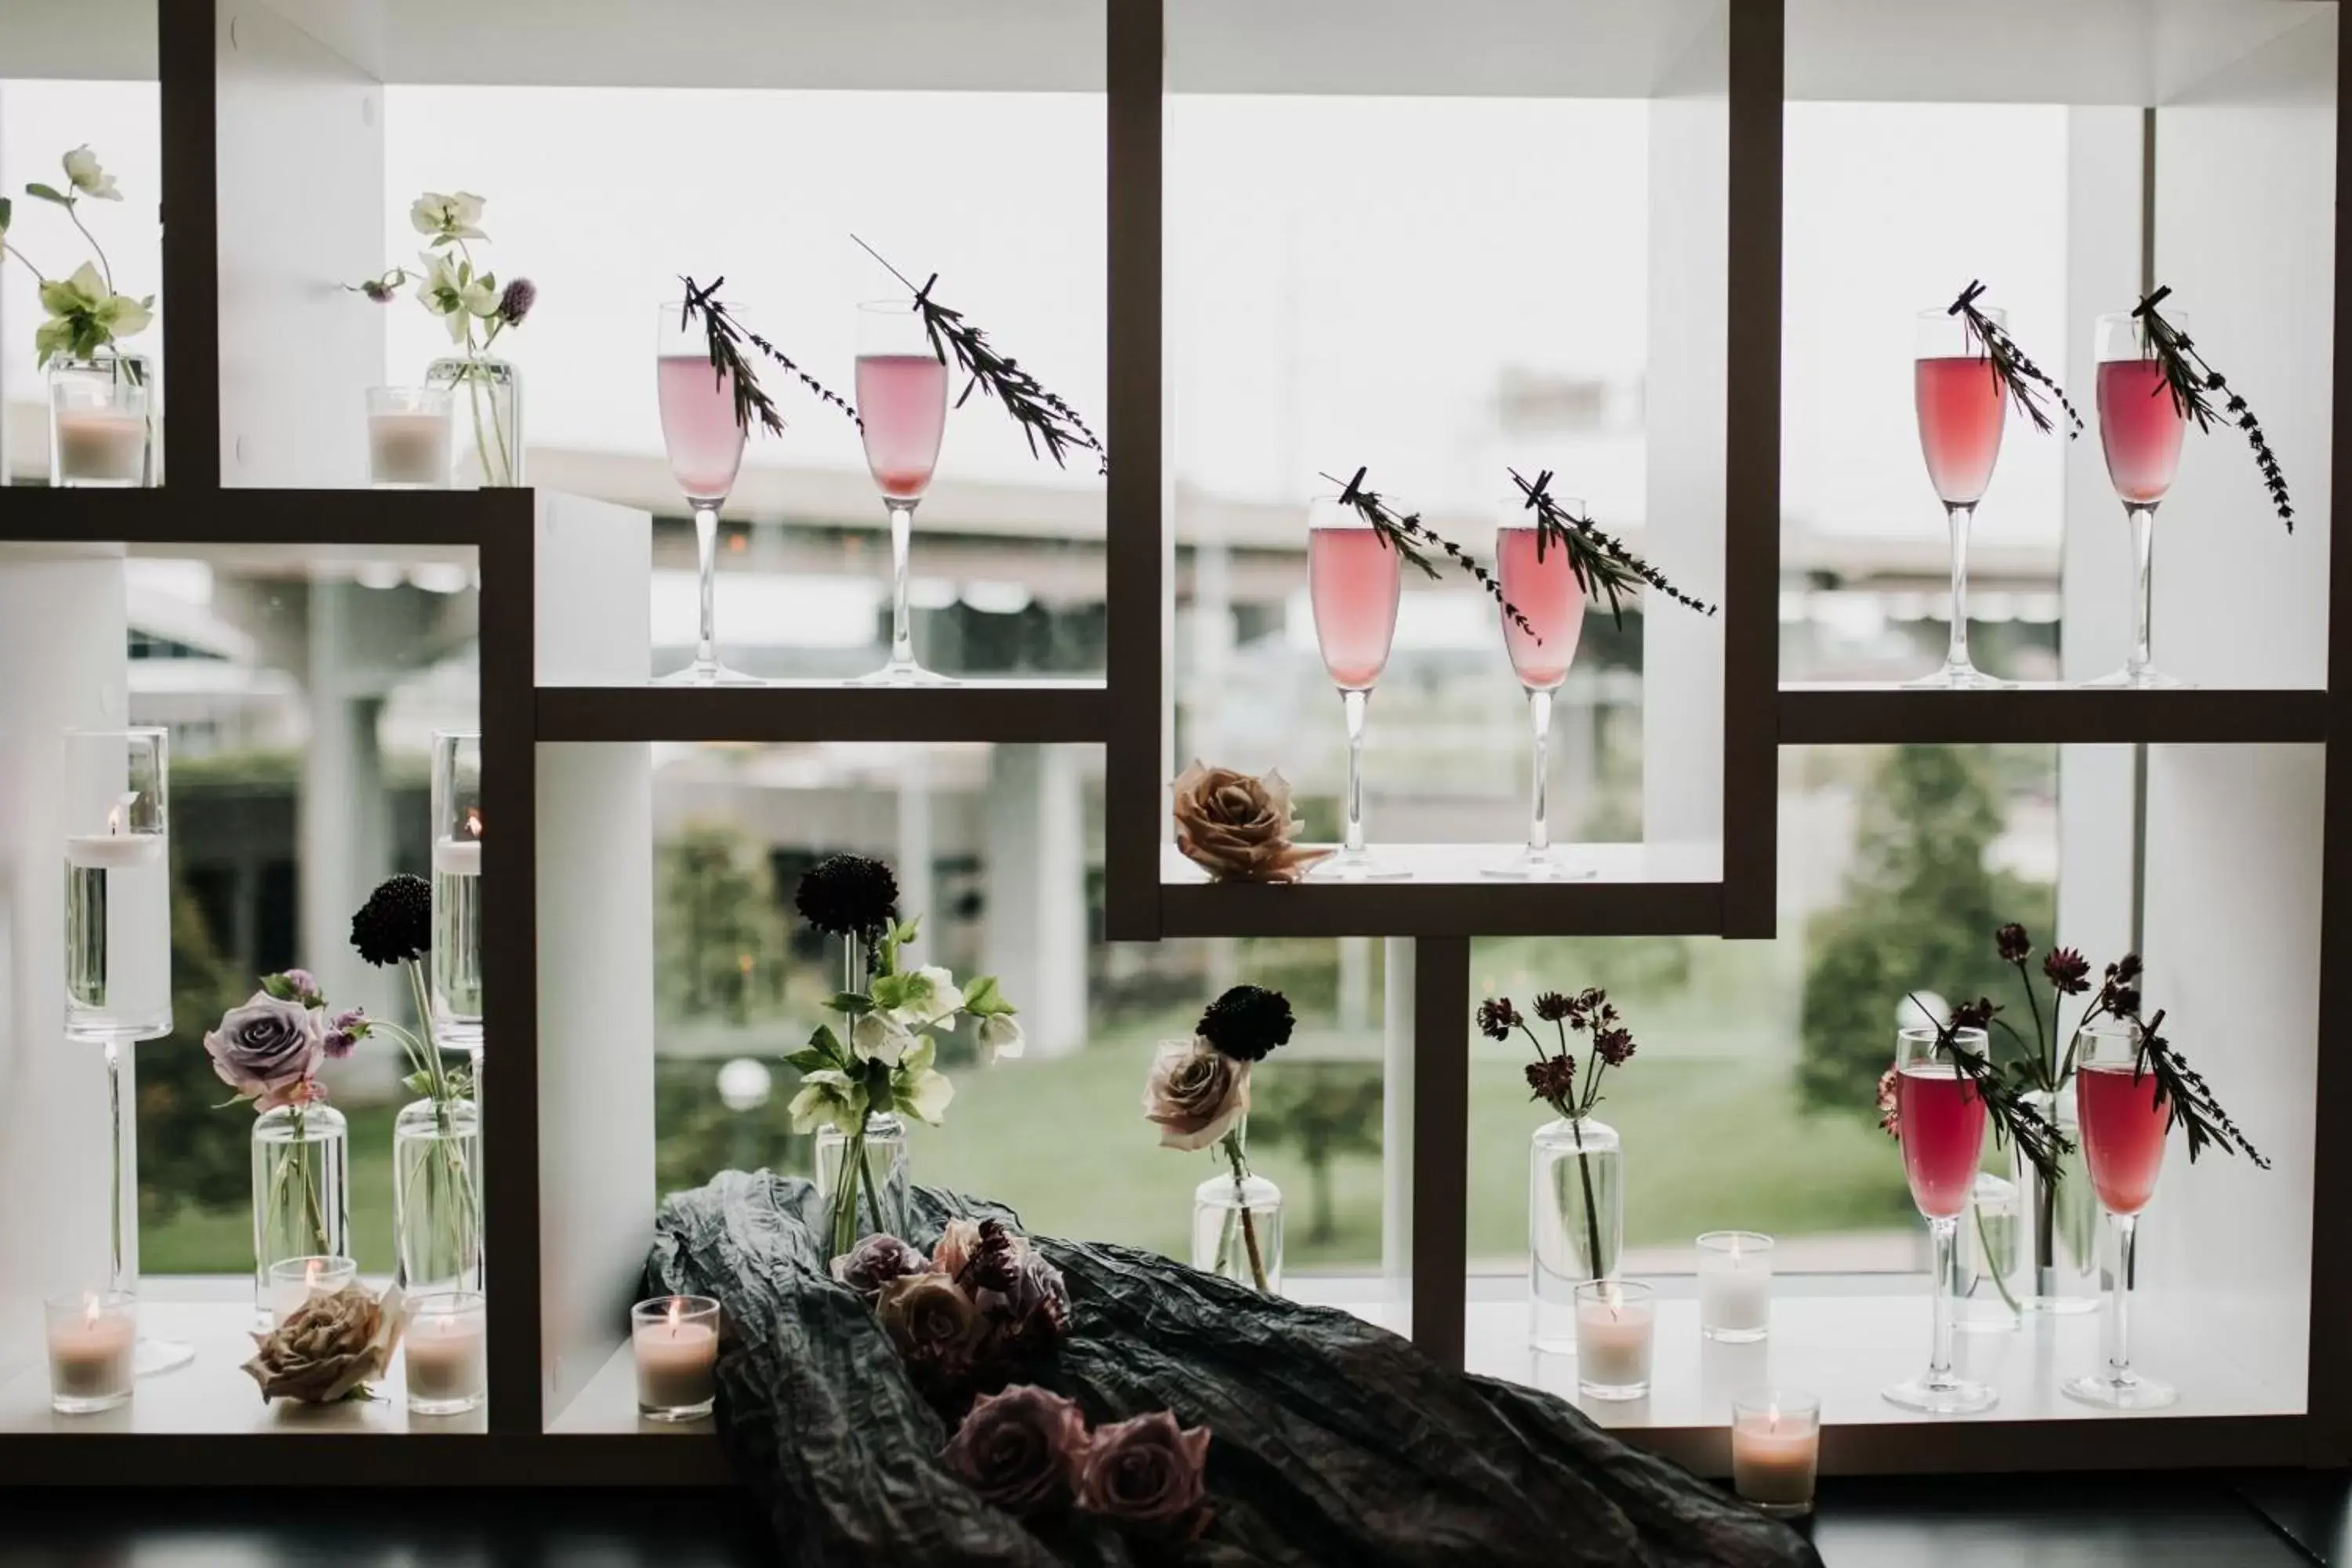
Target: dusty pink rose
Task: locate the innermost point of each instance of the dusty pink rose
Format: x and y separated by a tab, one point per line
930	1322
269	1050
1020	1450
1147	1471
875	1261
1195	1093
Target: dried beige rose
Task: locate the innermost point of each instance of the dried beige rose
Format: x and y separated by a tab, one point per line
1238	827
1195	1093
328	1346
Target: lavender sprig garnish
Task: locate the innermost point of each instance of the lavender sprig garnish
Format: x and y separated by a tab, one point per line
1603	564
728	337
1412	539
2015	1121
2188	1102
1045	419
2191	379
2019	374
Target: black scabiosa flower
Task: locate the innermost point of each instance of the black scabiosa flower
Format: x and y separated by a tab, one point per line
1976	1015
2011	942
1552	1078
1497	1017
395	924
1551	1006
848	895
2067	970
1247	1022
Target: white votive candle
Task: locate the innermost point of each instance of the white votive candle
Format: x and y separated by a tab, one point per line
93	1340
458	857
295	1280
676	1342
408	436
1775	1449
113	851
444	1352
1734	1285
1615	1321
97	446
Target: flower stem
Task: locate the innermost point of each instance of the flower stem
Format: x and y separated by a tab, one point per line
1992	1264
1233	1142
1591	1215
103	265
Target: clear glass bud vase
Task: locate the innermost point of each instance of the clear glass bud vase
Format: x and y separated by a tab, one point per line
101	422
1237	1221
873	1166
1575	1220
301	1189
488	418
2058	1266
436	1195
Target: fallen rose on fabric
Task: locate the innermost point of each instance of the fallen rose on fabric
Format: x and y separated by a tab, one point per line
327	1347
1020	1450
875	1261
932	1322
1148	1470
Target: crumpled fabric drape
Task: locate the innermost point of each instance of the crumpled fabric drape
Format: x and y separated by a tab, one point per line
1336	1442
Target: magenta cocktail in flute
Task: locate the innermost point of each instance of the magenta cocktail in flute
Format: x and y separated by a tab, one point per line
902	408
1961	408
1353	581
1941	1123
1537	581
704	438
2124	1122
2141	429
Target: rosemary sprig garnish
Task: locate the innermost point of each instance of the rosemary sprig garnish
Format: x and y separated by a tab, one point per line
2019	374
1412	539
2188	1102
2015	1122
1602	565
2193	380
728	337
1045	419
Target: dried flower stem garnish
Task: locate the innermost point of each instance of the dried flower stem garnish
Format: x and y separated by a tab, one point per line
2019	374
1412	539
728	337
1602	565
1045	419
2014	1121
2188	1102
2191	379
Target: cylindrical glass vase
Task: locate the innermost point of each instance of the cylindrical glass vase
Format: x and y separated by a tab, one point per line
301	1190
862	1180
1237	1230
101	424
2058	1263
488	420
457	958
118	885
437	1194
1575	1220
1985	1259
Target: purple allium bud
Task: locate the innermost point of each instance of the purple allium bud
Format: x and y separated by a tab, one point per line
345	1030
377	289
516	302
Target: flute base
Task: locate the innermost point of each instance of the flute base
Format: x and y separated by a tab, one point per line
153	1358
905	672
708	672
1357	865
2147	677
1961	677
1545	865
2126	1390
1945	1396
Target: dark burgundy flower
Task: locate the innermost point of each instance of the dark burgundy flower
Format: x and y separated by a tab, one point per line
848	895
2013	946
2123	1001
1554	1080
377	289
1497	1017
1615	1046
2068	970
395	924
1551	1006
875	1261
2126	968
1976	1015
1147	1471
1020	1450
1247	1022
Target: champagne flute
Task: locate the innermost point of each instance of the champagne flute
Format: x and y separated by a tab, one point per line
902	406
2141	429
2122	1127
1942	1120
705	448
1539	582
1353	578
1961	405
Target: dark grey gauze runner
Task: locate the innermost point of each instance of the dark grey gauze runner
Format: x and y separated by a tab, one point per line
1336	1442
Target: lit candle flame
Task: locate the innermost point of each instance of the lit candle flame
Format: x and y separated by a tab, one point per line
676	1315
473	821
89	1310
114	820
310	1276
1772	1417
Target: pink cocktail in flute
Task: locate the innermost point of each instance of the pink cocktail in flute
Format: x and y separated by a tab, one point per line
704	437
1354	575
2141	429
1941	1122
902	408
1961	406
2124	1119
1539	583
2122	1135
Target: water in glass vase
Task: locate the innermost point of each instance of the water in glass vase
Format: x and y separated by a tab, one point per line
1352	581
118	936
1960	406
902	400
2139	429
1943	1137
2123	1134
458	942
1576	1221
1546	593
699	427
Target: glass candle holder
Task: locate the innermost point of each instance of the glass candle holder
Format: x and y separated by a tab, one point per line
676	1342
1615	1325
101	430
118	885
447	1369
409	437
1734	1285
1775	1449
93	1340
295	1280
457	956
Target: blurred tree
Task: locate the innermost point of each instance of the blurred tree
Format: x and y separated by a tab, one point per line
1920	911
723	928
191	1153
1326	1109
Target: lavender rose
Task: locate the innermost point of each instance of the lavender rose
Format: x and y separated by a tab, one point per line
1147	1471
932	1322
269	1050
875	1261
1195	1093
1020	1450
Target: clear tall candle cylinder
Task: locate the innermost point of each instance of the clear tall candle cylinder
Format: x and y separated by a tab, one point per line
118	893
457	959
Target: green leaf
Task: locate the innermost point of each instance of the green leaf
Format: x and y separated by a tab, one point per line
825	1040
7	206
417	1082
279	987
908	930
918	1058
809	1060
855	1003
47	193
981	999
892	991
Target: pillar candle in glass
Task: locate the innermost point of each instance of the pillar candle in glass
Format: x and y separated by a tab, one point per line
118	885
101	429
1734	1285
443	1350
409	437
1615	1324
456	961
93	1340
1775	1448
295	1280
676	1342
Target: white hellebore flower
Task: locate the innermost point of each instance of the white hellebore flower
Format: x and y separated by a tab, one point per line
84	174
450	290
931	998
925	1095
458	216
828	1098
1000	1036
881	1037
